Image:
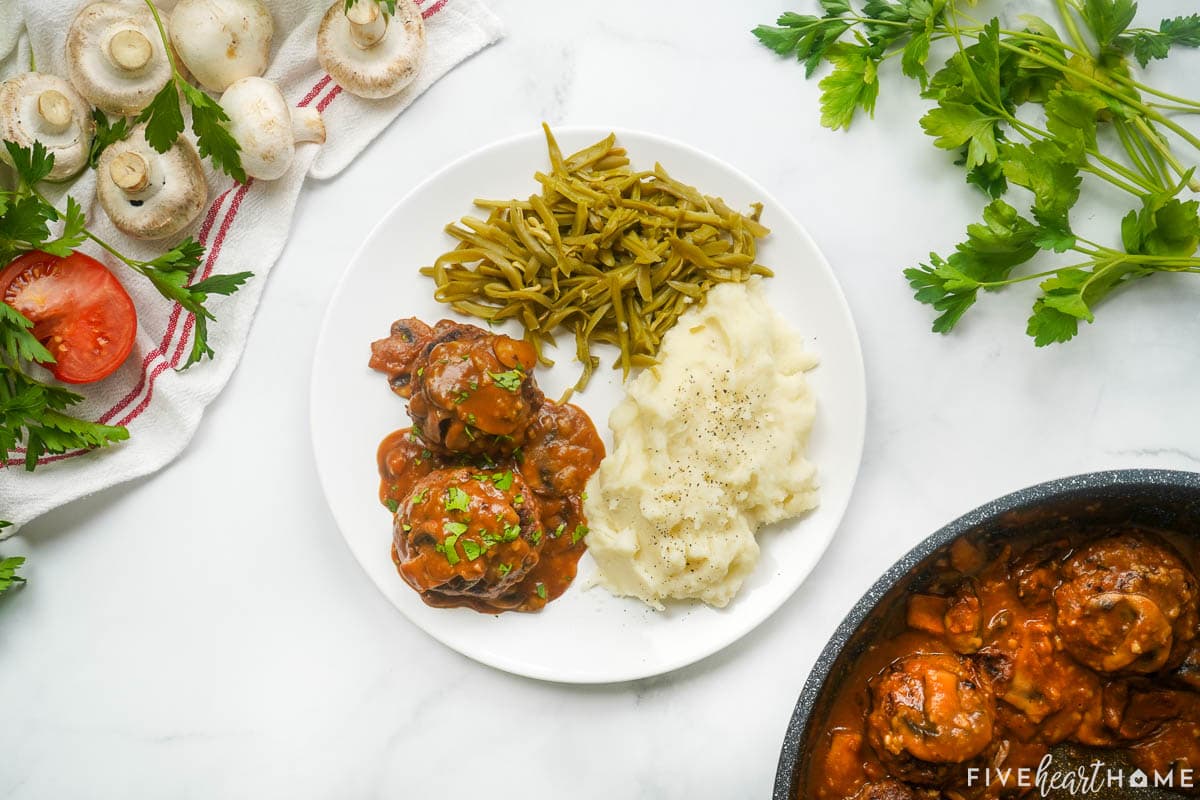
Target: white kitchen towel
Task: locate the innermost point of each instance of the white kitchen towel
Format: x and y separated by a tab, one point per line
244	229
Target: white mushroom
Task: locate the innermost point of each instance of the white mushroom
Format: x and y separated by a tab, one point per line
41	107
147	194
116	57
266	129
368	52
221	41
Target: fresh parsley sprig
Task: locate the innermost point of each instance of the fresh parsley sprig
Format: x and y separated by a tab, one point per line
164	117
1084	89
8	568
25	215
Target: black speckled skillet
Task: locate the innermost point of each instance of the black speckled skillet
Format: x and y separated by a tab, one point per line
1159	498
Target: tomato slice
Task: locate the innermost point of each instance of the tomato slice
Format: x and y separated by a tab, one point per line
79	310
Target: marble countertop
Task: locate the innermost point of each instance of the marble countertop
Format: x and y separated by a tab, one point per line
205	633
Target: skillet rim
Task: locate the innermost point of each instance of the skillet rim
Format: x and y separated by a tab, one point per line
1074	487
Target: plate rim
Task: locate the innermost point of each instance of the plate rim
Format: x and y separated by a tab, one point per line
858	370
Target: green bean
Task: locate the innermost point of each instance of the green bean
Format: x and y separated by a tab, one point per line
612	254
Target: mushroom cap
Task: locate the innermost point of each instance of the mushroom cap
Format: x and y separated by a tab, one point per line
221	41
261	122
36	106
101	34
383	69
166	191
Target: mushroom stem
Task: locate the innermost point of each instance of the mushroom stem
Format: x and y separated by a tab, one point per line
307	125
54	109
368	23
129	50
130	172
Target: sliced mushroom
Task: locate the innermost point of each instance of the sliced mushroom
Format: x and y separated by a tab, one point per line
266	129
147	194
222	41
45	108
369	53
116	58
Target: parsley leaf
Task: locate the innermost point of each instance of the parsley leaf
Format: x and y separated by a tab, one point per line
472	549
806	37
213	139
503	480
957	124
8	569
163	118
852	85
510	381
1150	44
106	133
456	499
1107	19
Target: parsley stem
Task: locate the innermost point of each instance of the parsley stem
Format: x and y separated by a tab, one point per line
1136	191
1123	171
1173	107
1132	149
1033	133
1131	83
162	33
1069	20
1149	155
1150	113
1158	144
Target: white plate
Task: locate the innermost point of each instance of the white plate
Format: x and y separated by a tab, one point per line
586	636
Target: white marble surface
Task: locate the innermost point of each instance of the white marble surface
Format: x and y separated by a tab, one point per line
206	634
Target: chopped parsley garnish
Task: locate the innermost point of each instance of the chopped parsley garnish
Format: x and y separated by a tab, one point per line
474	384
470	433
447	546
456	499
420	372
518	500
583	496
454	528
471	418
503	480
473	549
558	531
462	398
489	538
392	505
580	532
511	532
406	527
510	380
541	590
503	569
420	497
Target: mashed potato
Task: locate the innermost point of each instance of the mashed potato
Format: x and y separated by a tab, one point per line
709	446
